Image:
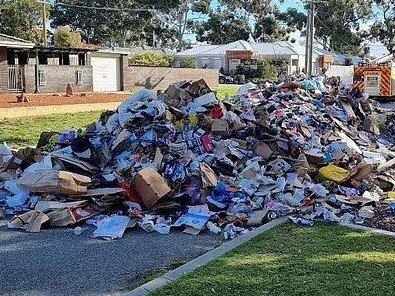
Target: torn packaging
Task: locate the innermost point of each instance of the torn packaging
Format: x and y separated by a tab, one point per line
334	173
209	178
53	181
71	216
112	227
69	159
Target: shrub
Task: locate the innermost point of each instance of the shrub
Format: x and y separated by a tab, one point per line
152	59
187	62
65	37
267	70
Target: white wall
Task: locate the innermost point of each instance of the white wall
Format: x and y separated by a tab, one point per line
213	62
346	73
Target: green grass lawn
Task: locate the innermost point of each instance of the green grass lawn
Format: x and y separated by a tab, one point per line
21	132
322	260
223	90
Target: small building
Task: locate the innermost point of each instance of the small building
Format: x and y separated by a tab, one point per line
242	53
31	68
108	69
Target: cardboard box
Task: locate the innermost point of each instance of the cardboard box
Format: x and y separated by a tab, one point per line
220	127
53	181
150	186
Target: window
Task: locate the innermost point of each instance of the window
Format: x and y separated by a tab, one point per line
295	62
42	78
78	77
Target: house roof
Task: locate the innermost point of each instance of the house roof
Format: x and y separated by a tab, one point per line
384	59
197	50
270	49
274	48
14	42
216	50
53	49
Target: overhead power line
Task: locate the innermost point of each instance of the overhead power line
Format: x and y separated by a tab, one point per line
100	8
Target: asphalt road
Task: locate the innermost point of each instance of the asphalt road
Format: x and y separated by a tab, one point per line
56	262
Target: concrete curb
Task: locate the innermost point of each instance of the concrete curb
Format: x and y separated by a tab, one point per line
202	260
368	229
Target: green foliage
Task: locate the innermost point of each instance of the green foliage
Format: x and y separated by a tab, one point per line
22	19
337	28
224	91
120	26
267	70
383	29
64	37
221	28
187	62
152	60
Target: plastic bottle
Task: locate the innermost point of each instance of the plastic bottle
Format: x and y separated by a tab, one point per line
147	225
229	232
270	215
77	230
162	228
213	228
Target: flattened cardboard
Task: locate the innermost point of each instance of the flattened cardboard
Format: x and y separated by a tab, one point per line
53	181
220	127
101	192
256	218
191	230
30	221
46	205
263	150
150	186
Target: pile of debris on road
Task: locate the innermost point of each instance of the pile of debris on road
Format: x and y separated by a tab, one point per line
185	160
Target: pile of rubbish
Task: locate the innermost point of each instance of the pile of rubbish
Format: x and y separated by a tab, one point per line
183	159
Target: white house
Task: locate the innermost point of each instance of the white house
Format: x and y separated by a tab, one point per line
229	56
390	58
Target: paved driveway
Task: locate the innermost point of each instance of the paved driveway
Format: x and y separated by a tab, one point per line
56	262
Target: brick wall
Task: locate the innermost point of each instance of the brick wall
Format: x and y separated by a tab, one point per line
57	78
161	78
3	70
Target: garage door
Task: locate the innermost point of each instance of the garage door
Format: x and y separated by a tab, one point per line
106	73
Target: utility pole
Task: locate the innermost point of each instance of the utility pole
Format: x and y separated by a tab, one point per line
312	13
310	39
44	20
307	63
44	26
